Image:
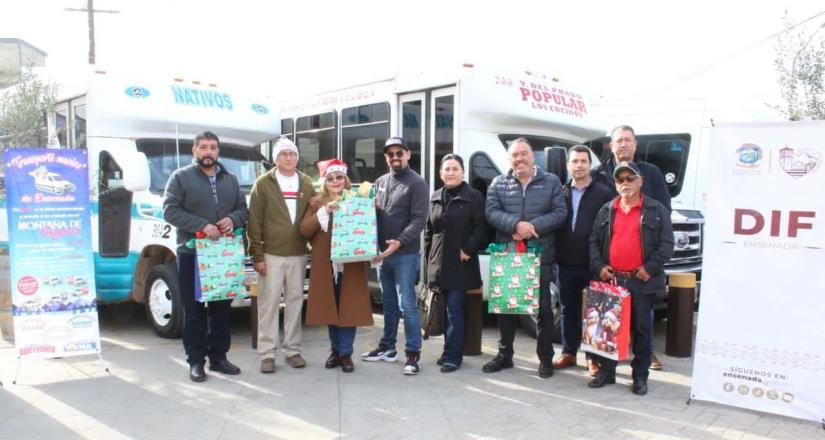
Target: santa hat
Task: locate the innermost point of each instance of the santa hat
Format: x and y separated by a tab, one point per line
332	166
283	144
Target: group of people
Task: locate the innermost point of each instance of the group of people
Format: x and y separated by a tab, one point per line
612	224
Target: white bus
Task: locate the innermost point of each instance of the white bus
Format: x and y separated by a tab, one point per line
469	111
137	131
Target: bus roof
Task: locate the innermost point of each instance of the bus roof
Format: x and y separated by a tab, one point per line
132	106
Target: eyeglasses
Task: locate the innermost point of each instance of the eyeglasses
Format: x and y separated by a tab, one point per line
626	179
334	177
397	153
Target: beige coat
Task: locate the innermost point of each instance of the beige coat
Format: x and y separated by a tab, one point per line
354	309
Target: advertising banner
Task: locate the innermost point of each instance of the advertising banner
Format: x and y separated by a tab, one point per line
50	252
759	343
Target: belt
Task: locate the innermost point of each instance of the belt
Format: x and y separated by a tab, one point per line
627	275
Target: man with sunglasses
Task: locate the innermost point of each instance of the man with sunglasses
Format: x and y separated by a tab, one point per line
623	145
631	241
402	202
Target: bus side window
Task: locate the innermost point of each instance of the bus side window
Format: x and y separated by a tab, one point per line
482	172
364	129
316	139
115	209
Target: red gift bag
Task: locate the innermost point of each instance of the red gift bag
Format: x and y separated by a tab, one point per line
606	320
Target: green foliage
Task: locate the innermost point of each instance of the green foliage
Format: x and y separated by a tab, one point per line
23	110
800	65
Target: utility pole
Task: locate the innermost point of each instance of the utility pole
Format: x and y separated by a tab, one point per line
91	13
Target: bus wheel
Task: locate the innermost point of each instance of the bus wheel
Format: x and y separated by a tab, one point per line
162	301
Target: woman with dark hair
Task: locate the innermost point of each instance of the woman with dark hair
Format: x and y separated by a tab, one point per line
338	293
456	231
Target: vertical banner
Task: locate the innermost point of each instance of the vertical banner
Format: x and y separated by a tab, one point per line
760	343
50	253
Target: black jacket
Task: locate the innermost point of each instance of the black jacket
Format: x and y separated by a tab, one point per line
540	202
573	246
657	242
653	183
401	208
189	205
461	227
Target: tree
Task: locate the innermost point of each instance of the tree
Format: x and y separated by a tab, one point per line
23	110
800	65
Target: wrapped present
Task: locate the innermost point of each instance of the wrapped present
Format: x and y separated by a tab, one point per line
219	267
606	320
354	227
515	271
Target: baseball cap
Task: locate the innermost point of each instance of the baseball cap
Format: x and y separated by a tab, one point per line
626	166
395	141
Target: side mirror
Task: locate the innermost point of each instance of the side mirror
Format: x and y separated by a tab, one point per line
135	171
555	160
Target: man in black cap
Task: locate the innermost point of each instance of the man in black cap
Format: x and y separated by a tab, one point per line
402	201
631	241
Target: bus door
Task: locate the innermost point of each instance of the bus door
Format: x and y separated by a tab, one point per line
427	125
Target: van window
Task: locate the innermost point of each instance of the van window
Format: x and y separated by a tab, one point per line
539	143
317	139
443	133
363	133
79	129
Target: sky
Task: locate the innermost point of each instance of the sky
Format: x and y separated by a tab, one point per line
697	51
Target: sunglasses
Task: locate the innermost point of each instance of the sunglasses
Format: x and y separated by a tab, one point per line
398	153
334	178
627	179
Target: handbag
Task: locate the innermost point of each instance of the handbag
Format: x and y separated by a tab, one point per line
431	310
606	320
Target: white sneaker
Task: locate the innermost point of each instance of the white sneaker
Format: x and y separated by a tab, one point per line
381	353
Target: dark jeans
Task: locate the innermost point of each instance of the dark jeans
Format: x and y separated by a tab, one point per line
572	280
507	323
640	328
397	275
454	331
205	327
340	338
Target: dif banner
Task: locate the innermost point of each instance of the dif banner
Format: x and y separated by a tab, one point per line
759	343
50	252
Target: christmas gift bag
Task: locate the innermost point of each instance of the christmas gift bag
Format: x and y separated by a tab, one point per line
219	267
515	270
606	320
354	228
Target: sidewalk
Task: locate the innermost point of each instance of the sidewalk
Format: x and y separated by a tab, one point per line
148	396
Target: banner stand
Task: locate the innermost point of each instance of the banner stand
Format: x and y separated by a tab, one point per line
20	363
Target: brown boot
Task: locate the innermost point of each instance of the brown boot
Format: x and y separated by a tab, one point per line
564	360
346	364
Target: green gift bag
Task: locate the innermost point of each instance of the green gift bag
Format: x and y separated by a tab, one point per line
354	228
219	268
515	270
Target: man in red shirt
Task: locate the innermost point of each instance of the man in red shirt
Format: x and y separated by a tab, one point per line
632	239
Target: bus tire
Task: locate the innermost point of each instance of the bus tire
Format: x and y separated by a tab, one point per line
164	309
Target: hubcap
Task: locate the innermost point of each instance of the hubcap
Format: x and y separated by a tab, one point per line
160	302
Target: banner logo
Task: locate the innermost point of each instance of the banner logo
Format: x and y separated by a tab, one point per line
797	163
748	156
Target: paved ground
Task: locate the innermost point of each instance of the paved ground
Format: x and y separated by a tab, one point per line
149	396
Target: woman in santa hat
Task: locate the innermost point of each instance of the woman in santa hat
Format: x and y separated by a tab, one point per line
338	293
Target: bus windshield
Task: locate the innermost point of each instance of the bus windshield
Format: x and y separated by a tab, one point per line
245	163
539	143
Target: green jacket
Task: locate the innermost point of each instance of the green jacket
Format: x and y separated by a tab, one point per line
269	230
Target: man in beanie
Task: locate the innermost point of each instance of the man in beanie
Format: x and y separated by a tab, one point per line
402	202
277	204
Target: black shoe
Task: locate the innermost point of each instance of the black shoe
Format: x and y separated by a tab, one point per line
497	364
448	368
601	380
545	369
225	367
640	387
412	367
440	360
196	373
333	360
